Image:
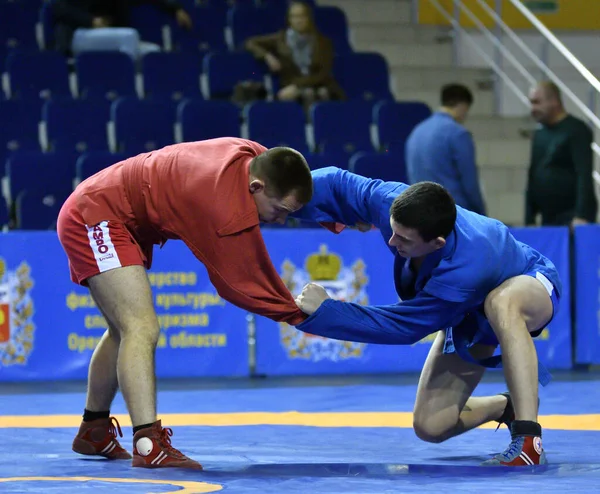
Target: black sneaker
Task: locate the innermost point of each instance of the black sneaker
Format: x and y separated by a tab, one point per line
509	412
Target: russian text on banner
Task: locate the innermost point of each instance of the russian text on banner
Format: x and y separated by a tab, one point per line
357	267
352	266
49	326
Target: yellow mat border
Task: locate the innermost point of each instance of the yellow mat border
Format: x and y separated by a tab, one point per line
587	422
185	486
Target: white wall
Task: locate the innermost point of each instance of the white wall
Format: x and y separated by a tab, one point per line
585	46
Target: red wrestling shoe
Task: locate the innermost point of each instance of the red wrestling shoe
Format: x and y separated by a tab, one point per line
152	449
99	438
525	449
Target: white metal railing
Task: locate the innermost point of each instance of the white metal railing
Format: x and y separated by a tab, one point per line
497	64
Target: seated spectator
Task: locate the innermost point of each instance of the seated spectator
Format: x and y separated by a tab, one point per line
85	25
301	56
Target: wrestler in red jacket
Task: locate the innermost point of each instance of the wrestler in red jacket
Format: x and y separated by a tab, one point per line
210	194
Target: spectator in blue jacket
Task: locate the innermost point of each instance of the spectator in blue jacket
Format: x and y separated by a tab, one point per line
441	150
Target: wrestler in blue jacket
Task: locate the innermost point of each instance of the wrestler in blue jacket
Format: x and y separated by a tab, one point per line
480	253
457	271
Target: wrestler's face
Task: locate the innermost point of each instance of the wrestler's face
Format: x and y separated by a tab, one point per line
409	243
273	209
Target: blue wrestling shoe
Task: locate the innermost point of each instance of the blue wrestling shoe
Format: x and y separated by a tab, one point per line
525	449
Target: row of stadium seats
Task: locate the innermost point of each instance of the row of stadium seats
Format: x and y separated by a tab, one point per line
63	121
216	25
36	204
130	125
108	75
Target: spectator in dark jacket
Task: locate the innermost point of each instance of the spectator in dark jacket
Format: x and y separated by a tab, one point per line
561	186
91	15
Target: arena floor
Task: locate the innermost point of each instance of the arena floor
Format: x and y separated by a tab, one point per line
306	435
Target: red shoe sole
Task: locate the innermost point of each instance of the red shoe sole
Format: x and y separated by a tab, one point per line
139	462
85	448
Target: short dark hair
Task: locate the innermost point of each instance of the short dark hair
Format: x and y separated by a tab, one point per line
428	208
284	171
454	94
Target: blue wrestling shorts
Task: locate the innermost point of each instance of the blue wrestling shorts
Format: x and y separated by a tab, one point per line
476	329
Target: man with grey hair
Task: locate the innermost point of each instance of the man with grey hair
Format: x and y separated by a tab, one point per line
560	186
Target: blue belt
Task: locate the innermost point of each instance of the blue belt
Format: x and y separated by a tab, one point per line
461	347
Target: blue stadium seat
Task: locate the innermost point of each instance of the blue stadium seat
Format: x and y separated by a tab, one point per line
277	8
19	120
92	162
246	20
363	76
224	70
224	4
342	126
44	172
150	23
281	4
396	120
17	24
385	166
37	75
322	160
172	75
46	21
3	53
276	124
107	75
199	120
76	124
207	33
4	215
189	5
332	22
38	210
143	126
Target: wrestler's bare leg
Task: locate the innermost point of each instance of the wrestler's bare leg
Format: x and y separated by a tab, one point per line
517	307
125	298
444	407
102	373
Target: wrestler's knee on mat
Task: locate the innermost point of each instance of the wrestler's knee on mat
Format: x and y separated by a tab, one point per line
429	430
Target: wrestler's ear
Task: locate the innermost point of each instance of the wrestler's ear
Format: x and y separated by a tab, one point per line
256	186
439	242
